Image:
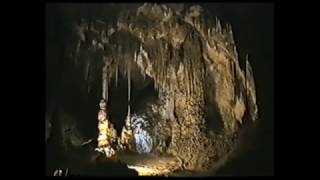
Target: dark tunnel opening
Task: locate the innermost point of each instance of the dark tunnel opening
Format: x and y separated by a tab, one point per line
142	90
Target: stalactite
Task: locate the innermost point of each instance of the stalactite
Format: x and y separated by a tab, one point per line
129	87
194	76
155	82
187	81
157	61
144	75
87	70
104	82
163	68
129	113
189	71
129	81
116	75
174	81
105	79
107	90
185	77
189	77
195	79
163	79
235	52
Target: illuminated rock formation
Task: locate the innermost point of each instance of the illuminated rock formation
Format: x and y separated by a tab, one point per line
193	62
107	133
127	137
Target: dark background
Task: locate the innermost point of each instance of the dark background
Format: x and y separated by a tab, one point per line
253	28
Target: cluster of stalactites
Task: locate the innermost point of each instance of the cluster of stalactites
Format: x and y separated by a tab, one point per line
221	38
120	59
218	35
166	71
110	72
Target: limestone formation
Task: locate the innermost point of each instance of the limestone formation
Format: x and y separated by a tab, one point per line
193	62
127	137
107	133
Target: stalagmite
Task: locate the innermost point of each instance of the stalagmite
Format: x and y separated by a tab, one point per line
218	25
128	114
107	133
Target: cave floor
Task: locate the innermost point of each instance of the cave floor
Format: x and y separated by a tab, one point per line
150	164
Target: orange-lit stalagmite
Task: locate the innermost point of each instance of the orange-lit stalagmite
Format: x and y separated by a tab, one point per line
107	133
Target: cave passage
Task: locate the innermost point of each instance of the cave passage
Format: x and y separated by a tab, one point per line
142	92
